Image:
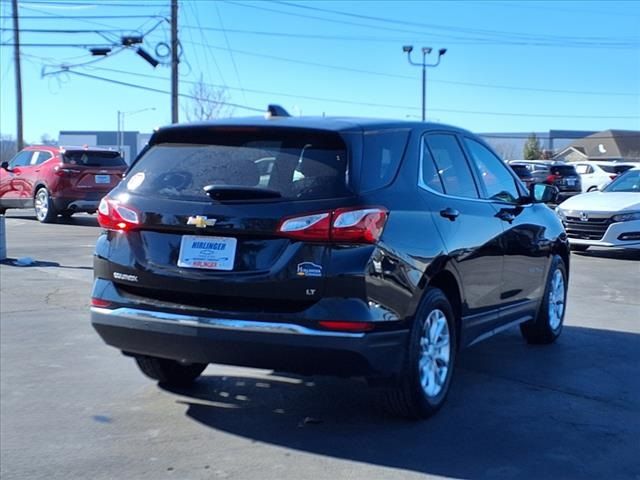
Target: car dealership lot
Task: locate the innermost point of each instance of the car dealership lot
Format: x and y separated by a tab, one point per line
72	407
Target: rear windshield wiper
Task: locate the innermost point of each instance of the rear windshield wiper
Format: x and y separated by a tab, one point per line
223	193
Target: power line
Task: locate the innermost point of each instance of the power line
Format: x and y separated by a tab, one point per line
81	17
380	105
207	47
233	60
409	77
326	37
105	3
46	30
475	31
498	37
149	89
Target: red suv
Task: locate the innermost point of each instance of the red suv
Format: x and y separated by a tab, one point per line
59	180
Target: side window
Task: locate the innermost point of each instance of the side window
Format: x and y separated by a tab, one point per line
430	176
452	166
494	174
41	158
383	151
20	160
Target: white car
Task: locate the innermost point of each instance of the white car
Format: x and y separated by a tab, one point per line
610	218
596	175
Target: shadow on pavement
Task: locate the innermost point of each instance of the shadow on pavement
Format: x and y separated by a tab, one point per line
79	221
15	262
570	410
611	253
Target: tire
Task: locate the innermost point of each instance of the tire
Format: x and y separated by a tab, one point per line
592	189
43	206
418	393
547	325
578	248
169	372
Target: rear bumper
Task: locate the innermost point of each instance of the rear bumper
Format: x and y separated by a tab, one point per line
76	205
281	346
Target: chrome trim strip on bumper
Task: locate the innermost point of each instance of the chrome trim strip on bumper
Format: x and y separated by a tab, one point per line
218	323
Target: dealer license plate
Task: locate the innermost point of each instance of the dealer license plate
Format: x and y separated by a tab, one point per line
103	179
213	253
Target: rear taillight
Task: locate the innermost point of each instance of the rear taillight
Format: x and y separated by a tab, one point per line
98	302
552	179
613	177
113	215
348	225
64	171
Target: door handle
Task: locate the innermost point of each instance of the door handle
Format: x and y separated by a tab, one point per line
506	216
449	213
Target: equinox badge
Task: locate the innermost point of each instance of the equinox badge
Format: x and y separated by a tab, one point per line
201	222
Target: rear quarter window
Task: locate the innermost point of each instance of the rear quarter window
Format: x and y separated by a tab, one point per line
383	151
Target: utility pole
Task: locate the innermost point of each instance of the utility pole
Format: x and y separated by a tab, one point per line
16	53
174	61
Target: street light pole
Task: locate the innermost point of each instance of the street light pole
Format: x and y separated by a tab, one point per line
121	115
425	51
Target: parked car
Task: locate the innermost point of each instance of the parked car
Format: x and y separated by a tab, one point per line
610	218
562	175
374	248
523	173
59	180
597	175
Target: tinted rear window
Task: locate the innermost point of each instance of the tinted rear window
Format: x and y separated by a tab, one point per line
88	158
615	168
383	151
563	170
521	170
300	164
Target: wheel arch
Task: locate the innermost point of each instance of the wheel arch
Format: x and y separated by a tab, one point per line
446	280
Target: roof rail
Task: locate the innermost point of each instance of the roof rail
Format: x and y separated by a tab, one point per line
276	111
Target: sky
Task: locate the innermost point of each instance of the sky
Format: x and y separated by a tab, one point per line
510	66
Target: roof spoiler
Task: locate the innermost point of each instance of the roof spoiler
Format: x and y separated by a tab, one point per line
276	111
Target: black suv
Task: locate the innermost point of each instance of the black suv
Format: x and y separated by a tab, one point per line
559	174
350	247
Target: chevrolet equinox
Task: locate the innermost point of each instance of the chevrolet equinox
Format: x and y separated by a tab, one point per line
350	247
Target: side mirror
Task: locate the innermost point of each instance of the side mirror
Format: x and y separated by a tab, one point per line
543	193
5	166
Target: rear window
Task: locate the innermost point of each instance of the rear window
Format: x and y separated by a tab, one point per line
563	170
521	170
383	151
300	164
615	168
88	158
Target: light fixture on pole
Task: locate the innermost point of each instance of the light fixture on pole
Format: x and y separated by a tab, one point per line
425	51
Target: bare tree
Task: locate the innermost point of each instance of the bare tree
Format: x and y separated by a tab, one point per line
207	102
8	148
46	139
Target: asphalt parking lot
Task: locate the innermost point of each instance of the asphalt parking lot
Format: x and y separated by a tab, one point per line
73	408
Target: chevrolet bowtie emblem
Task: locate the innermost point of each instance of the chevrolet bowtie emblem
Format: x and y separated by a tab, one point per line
201	222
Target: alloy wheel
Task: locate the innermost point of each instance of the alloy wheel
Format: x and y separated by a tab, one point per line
435	353
556	300
41	204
